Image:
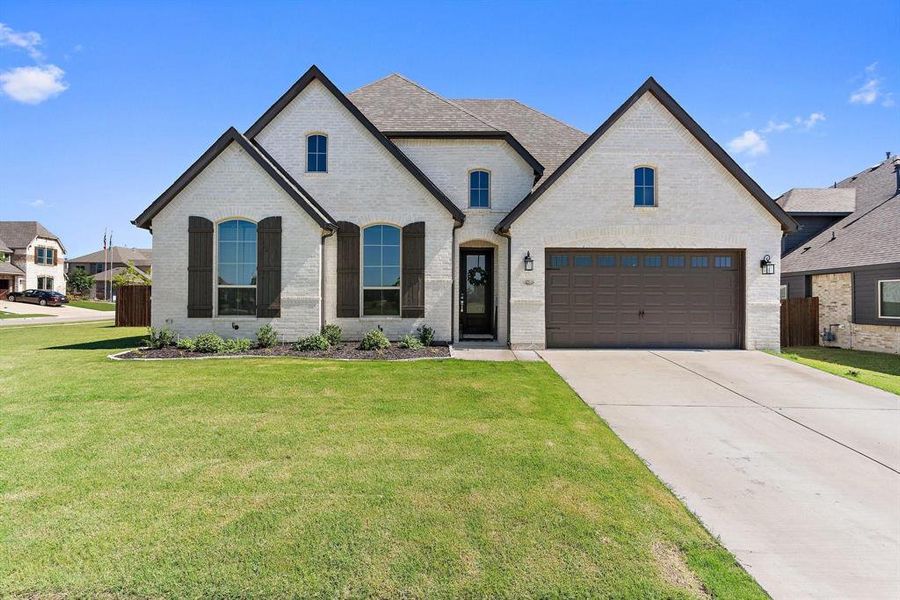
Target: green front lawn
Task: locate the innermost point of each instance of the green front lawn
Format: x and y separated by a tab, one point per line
9	315
872	368
93	304
287	477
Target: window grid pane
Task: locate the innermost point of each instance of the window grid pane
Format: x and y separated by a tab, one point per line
479	189
644	187
316	153
381	271
236	268
889	294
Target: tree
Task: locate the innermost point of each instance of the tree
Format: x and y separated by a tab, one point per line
130	276
79	281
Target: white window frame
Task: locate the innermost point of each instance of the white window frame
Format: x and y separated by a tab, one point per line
362	274
306	151
216	285
878	295
469	188
45	283
783	291
655	186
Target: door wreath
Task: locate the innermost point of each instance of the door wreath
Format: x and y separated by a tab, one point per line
477	276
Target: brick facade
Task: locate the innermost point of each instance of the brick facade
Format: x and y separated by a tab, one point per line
835	293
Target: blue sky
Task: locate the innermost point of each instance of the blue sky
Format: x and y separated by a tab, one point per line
103	105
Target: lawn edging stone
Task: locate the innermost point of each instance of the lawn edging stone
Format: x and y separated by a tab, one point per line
346	352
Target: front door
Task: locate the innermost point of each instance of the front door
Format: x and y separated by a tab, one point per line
476	293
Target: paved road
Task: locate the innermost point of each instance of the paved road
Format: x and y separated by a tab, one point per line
797	471
60	314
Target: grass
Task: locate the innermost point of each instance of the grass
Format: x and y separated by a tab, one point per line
93	305
9	315
871	368
299	478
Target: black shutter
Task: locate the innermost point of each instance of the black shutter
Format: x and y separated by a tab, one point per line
268	268
200	267
347	269
413	291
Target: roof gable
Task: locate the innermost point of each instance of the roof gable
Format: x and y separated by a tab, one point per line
232	135
669	103
117	254
18	234
315	74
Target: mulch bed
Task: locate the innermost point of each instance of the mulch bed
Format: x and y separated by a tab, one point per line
348	351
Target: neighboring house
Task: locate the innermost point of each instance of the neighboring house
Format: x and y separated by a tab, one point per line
853	264
104	266
393	207
30	258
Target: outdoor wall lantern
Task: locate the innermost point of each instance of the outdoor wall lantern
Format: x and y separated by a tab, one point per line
529	262
767	266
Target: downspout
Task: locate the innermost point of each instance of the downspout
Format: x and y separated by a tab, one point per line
508	286
453	300
328	233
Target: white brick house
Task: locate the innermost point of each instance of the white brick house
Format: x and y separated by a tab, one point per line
31	258
393	207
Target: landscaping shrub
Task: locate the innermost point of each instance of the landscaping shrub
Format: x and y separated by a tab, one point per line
236	345
185	343
266	337
426	335
409	341
209	342
316	341
374	340
160	338
333	334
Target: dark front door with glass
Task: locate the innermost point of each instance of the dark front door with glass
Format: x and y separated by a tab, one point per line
476	303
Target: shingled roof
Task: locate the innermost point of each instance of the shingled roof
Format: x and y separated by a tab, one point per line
867	236
833	200
400	107
18	234
117	254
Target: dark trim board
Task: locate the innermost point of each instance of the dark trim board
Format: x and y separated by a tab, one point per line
473	135
232	135
315	74
787	223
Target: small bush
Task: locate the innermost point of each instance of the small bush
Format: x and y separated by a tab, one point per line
333	334
236	345
315	342
209	342
160	338
185	343
409	341
374	340
426	335
266	337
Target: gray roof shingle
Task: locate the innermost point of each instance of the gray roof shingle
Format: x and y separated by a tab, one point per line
395	105
818	200
4	247
868	236
7	268
18	234
117	254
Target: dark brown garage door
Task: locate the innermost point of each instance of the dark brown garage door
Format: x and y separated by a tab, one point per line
644	298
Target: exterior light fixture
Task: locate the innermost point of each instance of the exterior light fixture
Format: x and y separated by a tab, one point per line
767	266
529	262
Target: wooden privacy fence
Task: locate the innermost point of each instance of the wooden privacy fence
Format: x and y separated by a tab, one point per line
800	322
133	306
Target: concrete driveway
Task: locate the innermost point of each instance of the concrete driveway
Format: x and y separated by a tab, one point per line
57	314
797	471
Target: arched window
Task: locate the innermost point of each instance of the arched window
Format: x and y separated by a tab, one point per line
644	187
381	270
236	274
316	153
479	189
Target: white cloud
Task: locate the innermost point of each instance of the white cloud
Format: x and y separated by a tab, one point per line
872	90
37	203
749	142
24	40
33	85
810	121
776	127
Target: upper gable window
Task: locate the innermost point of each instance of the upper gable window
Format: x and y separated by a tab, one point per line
316	153
644	186
479	189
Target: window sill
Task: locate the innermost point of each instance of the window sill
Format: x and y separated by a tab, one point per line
234	318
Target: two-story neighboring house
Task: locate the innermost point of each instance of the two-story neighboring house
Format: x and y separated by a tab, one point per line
394	207
31	257
104	266
852	264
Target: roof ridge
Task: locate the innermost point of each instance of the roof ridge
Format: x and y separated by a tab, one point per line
371	83
446	101
531	108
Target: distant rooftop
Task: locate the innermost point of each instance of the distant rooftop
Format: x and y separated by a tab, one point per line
819	200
